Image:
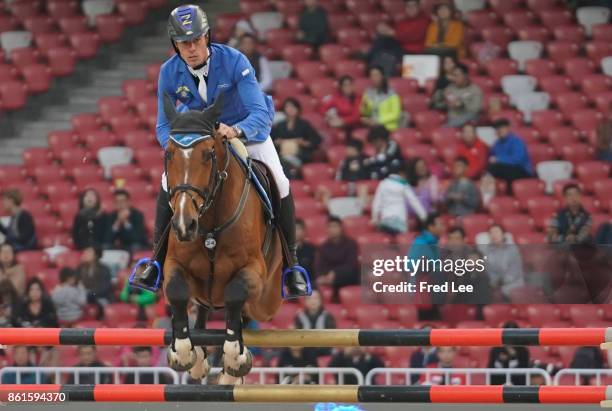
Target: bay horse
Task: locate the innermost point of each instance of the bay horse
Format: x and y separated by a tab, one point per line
216	247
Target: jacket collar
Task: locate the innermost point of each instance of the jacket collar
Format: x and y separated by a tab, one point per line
213	72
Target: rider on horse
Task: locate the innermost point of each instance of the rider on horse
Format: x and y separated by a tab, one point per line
195	76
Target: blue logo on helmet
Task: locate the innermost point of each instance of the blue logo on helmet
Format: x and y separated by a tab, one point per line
186	15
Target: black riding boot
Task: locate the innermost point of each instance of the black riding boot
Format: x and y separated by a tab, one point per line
296	280
148	277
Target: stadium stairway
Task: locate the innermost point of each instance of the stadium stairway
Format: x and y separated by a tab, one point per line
102	76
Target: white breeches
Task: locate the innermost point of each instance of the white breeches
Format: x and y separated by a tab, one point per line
266	153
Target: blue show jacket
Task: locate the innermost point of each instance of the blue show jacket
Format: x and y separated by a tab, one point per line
245	104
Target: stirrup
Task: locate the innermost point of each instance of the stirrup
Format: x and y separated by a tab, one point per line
303	271
137	281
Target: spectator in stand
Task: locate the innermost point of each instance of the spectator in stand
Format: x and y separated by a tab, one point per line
313	24
508	357
298	357
393	199
405	36
588	358
314	316
504	262
241	28
475	277
387	155
509	158
473	150
462	196
144	358
20	232
138	296
571	224
10	269
69	296
449	64
342	109
125	228
21	358
248	47
462	99
355	357
88	357
90	222
295	138
488	189
306	252
8	305
96	277
426	243
422	357
36	308
426	185
456	246
446	358
336	263
603	142
445	34
380	104
353	167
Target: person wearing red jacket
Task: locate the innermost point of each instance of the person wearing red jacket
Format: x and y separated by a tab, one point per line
473	150
342	109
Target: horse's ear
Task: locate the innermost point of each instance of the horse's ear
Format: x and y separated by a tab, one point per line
169	108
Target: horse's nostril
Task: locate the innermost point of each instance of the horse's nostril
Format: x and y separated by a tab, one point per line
192	226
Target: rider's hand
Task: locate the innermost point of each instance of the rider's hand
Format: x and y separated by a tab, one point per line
227	131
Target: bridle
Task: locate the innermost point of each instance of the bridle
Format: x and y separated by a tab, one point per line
207	195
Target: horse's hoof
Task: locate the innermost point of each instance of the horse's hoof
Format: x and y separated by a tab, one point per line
201	367
225	379
240	366
184	357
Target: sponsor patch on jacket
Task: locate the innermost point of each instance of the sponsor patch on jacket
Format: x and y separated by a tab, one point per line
183	92
245	72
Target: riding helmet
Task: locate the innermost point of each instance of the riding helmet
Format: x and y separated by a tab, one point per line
187	22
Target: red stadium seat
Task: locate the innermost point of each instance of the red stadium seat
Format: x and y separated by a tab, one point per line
71	157
542	208
542	5
501	206
45	174
553	18
111	107
540	314
414	103
561	51
586	120
540	68
479	19
352	37
528	188
330	53
593	84
574	34
24	56
544	120
592	170
486	84
58	9
583	314
47	226
138	139
561	136
137	89
110	27
517	19
577	153
96	139
497	68
424	151
322	87
85	44
429	120
11	173
133	13
296	53
13	95
37	77
8	72
8	23
499	35
569	102
33	261
47	41
497	314
83	175
353	68
85	122
501	6
474	224
597	50
555	84
120	312
24	9
534	33
360	6
73	24
309	71
58	191
577	68
62	61
316	172
403	85
602	32
305	208
36	156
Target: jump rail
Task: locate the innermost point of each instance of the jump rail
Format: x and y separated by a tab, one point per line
449	394
484	337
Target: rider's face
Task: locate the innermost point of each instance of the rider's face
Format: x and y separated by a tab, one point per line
194	52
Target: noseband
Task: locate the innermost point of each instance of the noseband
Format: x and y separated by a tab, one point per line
207	195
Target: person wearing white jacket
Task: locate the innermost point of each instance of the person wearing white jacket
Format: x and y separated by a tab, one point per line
394	197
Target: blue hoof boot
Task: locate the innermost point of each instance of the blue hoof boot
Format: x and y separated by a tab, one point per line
146	275
295	282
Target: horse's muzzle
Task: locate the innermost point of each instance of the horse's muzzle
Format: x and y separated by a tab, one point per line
185	229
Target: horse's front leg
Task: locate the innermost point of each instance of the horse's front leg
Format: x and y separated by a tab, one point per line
181	355
201	367
237	359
